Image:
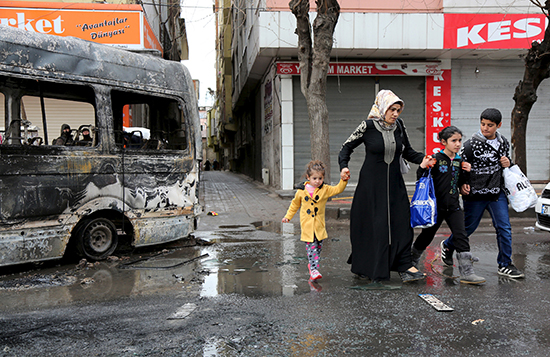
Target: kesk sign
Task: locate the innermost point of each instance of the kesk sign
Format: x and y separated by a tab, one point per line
119	25
493	31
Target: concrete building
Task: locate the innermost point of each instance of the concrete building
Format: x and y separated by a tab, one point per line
447	59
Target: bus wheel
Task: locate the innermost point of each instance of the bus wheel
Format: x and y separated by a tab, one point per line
96	239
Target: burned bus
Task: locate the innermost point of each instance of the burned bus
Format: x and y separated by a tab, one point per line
125	165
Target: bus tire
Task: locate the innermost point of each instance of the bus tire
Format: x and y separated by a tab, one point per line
96	239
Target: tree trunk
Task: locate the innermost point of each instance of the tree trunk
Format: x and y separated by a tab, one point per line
314	62
537	66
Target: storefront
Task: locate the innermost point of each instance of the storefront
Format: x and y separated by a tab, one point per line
351	90
478	67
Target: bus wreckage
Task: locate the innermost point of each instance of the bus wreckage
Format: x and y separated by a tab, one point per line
125	165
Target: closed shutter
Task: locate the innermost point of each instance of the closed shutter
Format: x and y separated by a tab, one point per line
58	112
349	100
493	87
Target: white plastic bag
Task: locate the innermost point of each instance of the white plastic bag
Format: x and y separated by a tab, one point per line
518	189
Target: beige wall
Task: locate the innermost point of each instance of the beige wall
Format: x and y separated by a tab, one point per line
371	5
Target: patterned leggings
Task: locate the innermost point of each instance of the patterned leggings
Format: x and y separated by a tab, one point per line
314	252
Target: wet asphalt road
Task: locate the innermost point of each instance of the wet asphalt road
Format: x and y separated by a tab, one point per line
247	294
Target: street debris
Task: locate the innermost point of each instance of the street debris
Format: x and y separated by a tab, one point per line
87	281
435	302
130	265
179	278
183	311
211	213
477	322
84	264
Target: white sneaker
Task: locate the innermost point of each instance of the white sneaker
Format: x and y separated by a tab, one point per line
314	273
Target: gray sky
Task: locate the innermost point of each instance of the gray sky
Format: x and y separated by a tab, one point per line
201	36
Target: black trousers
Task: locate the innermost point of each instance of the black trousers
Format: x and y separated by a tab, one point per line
455	221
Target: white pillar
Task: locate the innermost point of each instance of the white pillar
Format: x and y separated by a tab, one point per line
287	133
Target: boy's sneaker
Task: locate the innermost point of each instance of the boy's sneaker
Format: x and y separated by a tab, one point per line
510	271
446	254
314	273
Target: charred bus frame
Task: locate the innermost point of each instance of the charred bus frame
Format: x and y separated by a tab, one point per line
140	183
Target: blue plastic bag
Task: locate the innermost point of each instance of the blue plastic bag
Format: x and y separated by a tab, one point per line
423	205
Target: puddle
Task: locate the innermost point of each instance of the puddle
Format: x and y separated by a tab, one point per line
268	262
38	281
168	271
273	262
276	227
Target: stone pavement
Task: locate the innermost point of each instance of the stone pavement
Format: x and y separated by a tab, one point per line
225	191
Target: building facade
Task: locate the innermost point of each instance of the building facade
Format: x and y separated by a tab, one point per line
447	59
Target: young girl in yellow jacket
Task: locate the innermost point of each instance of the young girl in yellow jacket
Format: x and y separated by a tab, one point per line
312	197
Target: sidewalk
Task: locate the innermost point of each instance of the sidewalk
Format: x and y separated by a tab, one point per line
225	191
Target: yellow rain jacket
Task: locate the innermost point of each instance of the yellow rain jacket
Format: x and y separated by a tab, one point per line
312	211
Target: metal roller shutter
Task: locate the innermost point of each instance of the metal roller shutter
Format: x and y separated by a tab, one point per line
494	86
58	112
349	100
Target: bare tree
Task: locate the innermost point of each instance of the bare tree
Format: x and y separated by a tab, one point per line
537	69
314	60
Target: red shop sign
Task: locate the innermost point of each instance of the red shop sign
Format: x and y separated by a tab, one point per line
493	31
369	69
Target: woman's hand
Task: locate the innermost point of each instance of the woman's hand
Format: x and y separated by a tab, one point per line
466	166
427	162
345	174
285	220
465	189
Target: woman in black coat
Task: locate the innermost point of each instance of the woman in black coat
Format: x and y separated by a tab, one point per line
380	229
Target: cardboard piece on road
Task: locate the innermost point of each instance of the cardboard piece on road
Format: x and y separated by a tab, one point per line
435	302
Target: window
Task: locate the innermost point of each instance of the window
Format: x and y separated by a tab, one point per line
41	109
148	122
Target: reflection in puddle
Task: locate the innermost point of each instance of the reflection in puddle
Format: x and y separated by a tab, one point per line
101	281
274	227
263	266
210	282
273	262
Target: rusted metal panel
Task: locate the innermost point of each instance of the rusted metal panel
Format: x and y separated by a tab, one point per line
34	241
161	229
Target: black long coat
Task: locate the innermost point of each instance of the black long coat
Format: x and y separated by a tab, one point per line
380	229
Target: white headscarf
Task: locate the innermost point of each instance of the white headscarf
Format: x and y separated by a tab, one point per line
384	99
